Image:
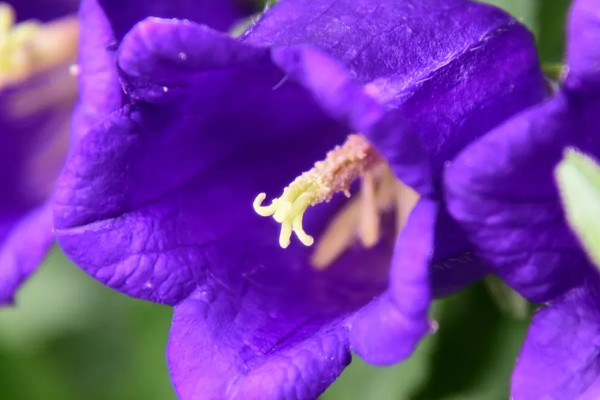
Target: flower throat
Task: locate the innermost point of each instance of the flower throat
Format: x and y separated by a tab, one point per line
380	191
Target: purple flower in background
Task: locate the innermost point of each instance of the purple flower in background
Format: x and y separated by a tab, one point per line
503	192
156	199
36	99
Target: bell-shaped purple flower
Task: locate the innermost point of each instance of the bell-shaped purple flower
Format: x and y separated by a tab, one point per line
156	200
37	93
503	192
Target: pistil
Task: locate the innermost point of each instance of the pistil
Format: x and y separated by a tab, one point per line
334	174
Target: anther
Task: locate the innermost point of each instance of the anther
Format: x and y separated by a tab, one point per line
381	192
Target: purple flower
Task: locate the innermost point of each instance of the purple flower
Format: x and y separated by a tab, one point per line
156	199
36	98
503	192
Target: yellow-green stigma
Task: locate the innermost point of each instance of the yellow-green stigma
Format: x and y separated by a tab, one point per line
335	174
29	46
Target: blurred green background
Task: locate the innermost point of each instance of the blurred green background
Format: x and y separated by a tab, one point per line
70	338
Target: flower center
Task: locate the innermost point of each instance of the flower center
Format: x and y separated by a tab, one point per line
380	192
29	47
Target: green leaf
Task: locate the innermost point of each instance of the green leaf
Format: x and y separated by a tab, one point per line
578	178
554	71
547	20
508	301
525	11
77	339
550	33
240	27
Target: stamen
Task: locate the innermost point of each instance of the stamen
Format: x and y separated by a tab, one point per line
29	46
368	229
335	174
340	235
405	200
381	192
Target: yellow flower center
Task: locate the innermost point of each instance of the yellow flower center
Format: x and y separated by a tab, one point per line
29	47
380	192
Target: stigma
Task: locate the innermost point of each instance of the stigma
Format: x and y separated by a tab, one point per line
29	47
342	166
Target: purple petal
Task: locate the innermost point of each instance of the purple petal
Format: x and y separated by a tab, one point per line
388	330
99	90
454	263
22	249
104	23
465	99
583	52
561	355
160	58
330	84
34	116
448	85
255	347
359	34
502	191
